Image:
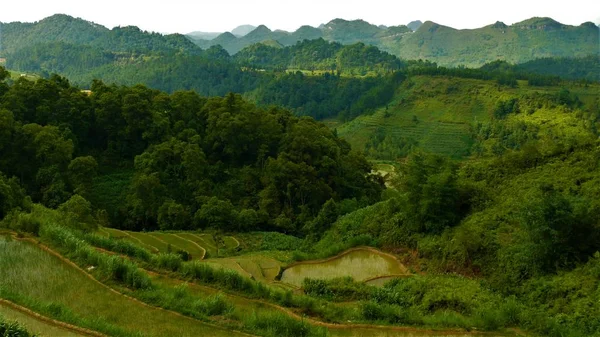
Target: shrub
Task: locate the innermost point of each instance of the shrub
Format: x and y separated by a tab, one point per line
213	306
12	329
167	261
279	325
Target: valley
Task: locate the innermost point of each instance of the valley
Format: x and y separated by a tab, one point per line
342	180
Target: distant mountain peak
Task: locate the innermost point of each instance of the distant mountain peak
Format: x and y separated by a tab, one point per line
414	25
542	23
499	24
243	30
225	37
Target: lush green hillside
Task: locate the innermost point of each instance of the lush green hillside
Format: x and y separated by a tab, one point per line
587	68
356	59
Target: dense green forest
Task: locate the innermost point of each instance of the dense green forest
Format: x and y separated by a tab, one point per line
195	162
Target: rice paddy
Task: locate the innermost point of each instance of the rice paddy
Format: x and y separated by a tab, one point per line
360	264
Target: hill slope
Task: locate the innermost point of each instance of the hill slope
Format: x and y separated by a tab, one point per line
441	115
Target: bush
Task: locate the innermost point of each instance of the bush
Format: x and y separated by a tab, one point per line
78	214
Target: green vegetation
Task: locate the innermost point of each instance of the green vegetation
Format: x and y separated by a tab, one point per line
204	164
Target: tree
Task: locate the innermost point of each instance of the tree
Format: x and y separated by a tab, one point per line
173	216
561	230
12	196
217	214
433	200
81	172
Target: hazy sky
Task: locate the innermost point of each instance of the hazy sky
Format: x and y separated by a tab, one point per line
223	15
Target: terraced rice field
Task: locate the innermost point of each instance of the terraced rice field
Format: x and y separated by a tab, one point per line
200	246
39	278
435	112
360	264
203	240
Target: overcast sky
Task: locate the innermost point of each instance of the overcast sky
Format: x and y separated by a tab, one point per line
184	16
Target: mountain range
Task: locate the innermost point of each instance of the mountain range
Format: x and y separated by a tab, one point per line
517	43
94	44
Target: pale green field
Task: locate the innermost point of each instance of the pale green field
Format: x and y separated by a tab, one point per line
360	264
37	277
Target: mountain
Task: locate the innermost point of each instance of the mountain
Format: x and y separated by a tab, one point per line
243	30
414	25
62	28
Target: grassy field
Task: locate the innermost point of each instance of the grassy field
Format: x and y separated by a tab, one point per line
37	279
360	264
